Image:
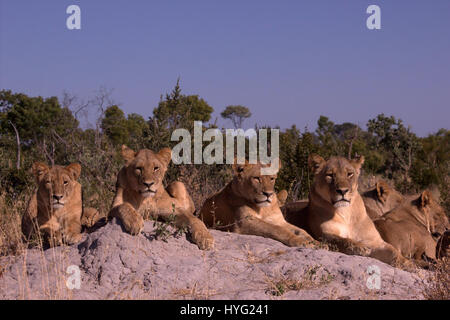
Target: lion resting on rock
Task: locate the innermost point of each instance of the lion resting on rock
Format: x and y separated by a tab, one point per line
411	227
336	214
56	208
140	195
249	205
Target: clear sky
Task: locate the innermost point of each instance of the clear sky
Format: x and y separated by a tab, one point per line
288	61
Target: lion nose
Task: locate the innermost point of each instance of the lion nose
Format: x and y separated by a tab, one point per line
267	194
342	191
148	184
57	197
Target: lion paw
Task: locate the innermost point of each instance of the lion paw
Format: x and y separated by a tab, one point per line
316	245
301	242
134	225
90	217
358	250
203	239
73	238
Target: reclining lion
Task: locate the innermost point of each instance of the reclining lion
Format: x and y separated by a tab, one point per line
140	195
336	214
249	205
56	207
381	199
443	246
411	227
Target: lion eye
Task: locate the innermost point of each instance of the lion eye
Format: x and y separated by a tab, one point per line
156	169
272	179
350	174
138	171
258	179
66	182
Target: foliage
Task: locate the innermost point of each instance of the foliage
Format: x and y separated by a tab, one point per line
179	111
237	115
51	133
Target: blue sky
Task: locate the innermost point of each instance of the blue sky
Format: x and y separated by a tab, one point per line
288	61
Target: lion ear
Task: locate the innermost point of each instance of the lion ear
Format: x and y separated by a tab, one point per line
426	198
282	197
315	163
127	154
239	167
75	170
39	170
166	155
358	162
383	190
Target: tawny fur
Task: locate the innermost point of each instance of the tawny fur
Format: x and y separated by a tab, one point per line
140	194
56	207
336	213
381	199
249	205
411	226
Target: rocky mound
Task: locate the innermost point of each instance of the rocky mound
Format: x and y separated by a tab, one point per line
116	265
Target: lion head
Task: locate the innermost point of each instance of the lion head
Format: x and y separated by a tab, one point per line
250	184
429	212
381	199
56	185
336	179
145	169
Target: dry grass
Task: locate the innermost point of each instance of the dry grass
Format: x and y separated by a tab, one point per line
202	182
313	277
438	287
195	293
11	242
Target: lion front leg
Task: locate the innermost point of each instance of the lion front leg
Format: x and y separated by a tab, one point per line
254	226
302	233
90	217
346	245
180	207
196	228
131	220
71	231
390	255
177	190
51	230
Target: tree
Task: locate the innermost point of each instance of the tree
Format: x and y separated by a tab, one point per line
34	117
399	143
179	110
37	121
237	115
328	138
137	129
114	125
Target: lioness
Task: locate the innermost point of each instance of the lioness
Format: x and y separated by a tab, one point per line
140	194
410	227
336	213
56	208
381	199
249	205
443	246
